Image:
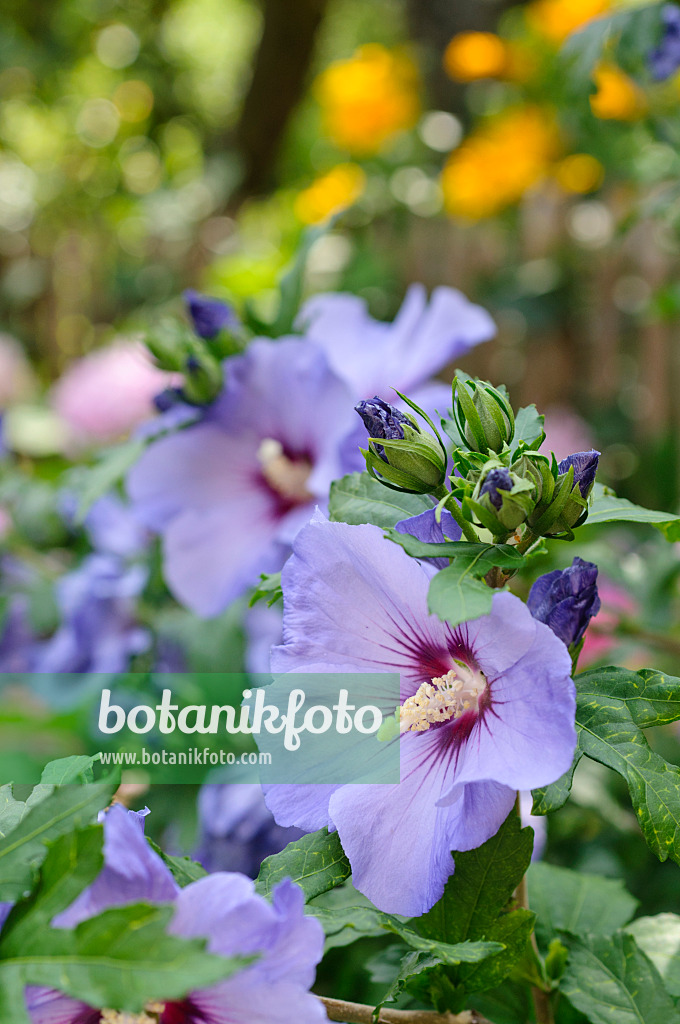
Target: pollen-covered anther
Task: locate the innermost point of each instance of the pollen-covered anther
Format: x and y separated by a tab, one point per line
288	477
150	1016
445	697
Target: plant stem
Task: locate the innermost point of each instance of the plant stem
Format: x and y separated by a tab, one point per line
527	541
454	508
360	1013
542	1004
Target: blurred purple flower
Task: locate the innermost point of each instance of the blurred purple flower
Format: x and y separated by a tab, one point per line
209	316
230	492
565	432
664	59
487	709
372	356
98	631
237	830
585	468
566	600
17	640
222	908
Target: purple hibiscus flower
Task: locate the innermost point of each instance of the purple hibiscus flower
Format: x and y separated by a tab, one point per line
98	631
229	492
222	908
487	708
422	339
237	829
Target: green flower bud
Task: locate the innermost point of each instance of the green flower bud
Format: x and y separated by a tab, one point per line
176	348
484	415
502	500
568	506
399	453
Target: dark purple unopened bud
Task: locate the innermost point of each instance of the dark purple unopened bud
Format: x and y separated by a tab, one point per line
664	59
168	399
382	420
209	316
585	468
495	480
566	600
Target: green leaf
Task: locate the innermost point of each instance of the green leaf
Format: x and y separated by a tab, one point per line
78	768
121	959
605	507
659	938
552	797
107	473
475	559
291	285
611	981
613	705
184	870
346	915
474	904
529	427
568	901
456	596
269	587
410	966
316	863
23	849
359	498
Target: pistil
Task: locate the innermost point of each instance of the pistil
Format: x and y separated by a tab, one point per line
443	698
288	477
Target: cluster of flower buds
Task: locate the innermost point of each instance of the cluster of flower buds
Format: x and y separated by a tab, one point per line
399	453
500	481
197	351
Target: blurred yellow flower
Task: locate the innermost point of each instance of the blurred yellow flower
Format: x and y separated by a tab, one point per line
473	55
618	98
368	98
579	173
330	193
496	165
557	19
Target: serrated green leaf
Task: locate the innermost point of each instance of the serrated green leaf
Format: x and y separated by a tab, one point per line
78	768
474	902
23	849
529	427
611	981
183	869
612	707
269	587
552	797
659	938
475	559
565	900
410	966
605	507
120	959
359	498
316	863
456	596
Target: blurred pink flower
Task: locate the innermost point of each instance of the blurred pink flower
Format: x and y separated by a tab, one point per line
16	376
566	432
600	639
107	393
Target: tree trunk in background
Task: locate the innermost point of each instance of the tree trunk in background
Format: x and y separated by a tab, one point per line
432	23
278	84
